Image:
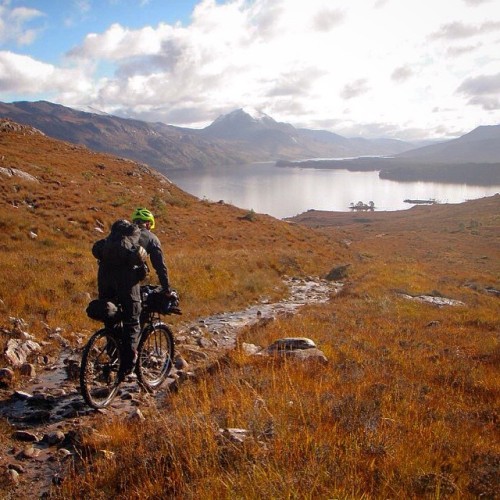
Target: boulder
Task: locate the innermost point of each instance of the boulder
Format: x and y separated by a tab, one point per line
338	273
26	436
308	355
298	348
136	416
250	348
27	370
53	438
17	351
291	344
6	377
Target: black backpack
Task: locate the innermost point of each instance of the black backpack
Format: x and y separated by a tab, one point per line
121	247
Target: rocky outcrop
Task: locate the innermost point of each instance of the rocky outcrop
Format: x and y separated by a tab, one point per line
15	172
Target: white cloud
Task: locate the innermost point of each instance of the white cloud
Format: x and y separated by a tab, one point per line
24	74
483	91
376	66
14	24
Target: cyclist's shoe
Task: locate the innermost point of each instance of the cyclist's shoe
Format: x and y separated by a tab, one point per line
127	367
125	372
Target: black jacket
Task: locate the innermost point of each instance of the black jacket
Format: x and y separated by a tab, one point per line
152	245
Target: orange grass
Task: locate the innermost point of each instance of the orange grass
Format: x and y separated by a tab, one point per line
407	406
215	257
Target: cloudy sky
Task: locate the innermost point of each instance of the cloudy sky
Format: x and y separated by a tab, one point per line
373	68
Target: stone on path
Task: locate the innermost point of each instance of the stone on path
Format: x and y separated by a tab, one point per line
6	377
17	351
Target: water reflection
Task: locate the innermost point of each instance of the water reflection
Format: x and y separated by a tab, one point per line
284	192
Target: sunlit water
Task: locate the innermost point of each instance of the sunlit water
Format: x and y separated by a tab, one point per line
285	192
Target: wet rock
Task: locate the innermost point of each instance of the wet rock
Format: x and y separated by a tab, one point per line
72	367
26	436
27	370
63	453
45	401
60	339
22	396
37	417
17	467
6	377
28	453
53	438
17	351
180	363
338	273
69	413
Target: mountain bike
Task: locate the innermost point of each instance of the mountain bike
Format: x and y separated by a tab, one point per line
102	355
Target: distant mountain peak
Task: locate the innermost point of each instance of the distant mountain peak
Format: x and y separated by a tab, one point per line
255	113
245	113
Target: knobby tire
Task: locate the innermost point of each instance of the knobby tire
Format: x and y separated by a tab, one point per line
99	382
155	355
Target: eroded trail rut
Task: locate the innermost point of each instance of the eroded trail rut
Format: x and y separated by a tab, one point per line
49	409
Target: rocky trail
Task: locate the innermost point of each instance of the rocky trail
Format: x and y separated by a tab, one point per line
49	415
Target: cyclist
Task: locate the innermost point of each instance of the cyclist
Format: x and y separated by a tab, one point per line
123	284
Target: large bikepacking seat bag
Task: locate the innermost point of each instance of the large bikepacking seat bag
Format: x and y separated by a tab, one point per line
121	247
102	310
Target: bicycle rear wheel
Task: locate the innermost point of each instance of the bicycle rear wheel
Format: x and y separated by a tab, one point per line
155	355
99	370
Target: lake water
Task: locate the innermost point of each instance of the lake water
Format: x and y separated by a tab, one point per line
285	192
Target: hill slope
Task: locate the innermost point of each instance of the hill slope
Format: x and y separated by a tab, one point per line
57	198
481	145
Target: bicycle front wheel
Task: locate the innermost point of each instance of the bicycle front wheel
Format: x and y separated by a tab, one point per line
99	370
155	355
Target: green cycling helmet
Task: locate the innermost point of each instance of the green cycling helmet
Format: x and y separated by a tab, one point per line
143	214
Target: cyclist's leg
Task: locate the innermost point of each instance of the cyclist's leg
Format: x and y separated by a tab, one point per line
131	309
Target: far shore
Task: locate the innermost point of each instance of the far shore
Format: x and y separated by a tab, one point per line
403	170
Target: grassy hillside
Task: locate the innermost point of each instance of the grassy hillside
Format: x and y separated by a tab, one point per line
407	406
218	259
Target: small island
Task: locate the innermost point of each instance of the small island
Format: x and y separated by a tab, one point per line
360	206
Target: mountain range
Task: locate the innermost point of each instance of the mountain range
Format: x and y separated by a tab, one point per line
238	137
242	136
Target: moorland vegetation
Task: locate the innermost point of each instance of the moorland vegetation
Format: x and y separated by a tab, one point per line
407	405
